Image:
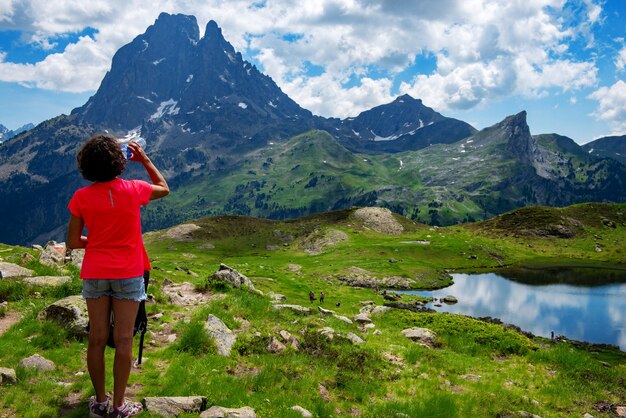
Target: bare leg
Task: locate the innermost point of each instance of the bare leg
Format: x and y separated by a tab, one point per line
125	312
99	321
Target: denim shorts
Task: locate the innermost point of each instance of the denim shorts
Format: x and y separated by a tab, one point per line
133	289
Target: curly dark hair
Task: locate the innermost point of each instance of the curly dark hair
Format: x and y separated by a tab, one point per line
101	159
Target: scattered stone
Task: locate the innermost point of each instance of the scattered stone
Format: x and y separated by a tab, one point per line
294	308
276	346
393	260
358	277
221	412
37	362
302	411
471	377
50	281
369	326
171	338
380	220
392	296
588	415
317	241
325	311
37	247
324	394
378	332
70	313
186	270
184	294
620	411
277	297
10	270
53	254
206	246
7	376
181	233
367	303
343	318
27	258
450	299
472	257
605	364
362	319
525	414
232	276
272	247
423	336
223	336
354	339
609	223
328	332
294	267
175	405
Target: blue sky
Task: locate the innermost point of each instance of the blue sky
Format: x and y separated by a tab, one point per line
563	61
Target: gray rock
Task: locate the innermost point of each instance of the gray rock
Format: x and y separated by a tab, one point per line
421	335
37	362
175	405
354	339
471	377
277	297
50	281
221	412
328	332
70	313
302	411
223	336
525	414
53	254
450	299
325	311
343	318
275	346
232	276
362	319
620	411
10	270
206	246
588	415
7	376
295	308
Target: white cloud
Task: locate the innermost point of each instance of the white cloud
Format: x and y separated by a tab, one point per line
485	49
620	60
612	105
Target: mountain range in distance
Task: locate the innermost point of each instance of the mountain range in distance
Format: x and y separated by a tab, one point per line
6	133
229	141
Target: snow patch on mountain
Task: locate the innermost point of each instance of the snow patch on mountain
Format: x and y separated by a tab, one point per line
167	107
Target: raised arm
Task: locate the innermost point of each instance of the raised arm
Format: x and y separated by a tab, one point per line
75	239
159	185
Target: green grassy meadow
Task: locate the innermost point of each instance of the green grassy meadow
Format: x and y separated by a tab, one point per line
476	369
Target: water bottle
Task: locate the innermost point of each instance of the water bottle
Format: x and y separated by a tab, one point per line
124	144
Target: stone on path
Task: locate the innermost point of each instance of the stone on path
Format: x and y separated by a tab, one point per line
10	270
70	313
174	406
223	336
51	281
7	376
294	308
423	336
302	411
221	412
37	362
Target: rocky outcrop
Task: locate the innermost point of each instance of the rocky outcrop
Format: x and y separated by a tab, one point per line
184	294
37	362
70	313
380	220
317	242
294	308
10	270
224	338
174	406
181	233
7	376
50	281
358	277
232	277
221	412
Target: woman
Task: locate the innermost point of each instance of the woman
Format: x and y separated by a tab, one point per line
115	259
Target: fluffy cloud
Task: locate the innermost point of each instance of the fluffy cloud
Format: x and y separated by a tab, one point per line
620	60
612	105
484	49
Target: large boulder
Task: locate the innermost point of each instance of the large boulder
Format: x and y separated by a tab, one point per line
175	405
380	220
232	277
423	336
53	254
223	336
70	313
221	412
294	308
10	270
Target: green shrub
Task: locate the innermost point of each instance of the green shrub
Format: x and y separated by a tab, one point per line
195	340
12	291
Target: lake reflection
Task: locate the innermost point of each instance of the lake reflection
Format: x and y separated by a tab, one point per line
587	313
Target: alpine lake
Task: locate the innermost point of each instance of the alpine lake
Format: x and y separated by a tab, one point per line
582	304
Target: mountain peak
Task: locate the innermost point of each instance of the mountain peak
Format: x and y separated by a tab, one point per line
213	30
177	23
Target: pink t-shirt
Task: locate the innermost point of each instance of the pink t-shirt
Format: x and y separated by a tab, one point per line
111	212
